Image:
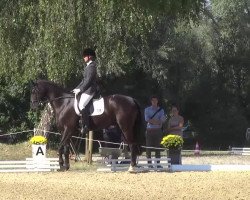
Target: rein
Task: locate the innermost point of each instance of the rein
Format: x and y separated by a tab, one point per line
57	98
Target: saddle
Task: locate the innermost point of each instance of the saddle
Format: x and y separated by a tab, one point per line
94	107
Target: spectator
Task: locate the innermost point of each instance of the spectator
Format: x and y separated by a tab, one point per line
175	123
154	116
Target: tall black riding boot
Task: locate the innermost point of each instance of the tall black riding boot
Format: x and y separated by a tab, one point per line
85	120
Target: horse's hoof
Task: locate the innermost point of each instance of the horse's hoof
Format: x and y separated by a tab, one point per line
62	169
132	169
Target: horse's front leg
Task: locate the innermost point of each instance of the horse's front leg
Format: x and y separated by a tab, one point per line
60	154
64	149
66	156
64	163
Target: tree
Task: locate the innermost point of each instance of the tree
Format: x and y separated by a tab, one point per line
44	39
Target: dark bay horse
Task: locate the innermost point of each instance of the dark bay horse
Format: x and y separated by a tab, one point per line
119	110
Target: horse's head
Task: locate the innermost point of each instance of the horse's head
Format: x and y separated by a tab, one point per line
37	95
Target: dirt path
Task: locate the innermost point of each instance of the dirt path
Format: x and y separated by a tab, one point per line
122	185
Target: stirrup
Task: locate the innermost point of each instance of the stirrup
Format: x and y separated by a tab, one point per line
84	129
80	123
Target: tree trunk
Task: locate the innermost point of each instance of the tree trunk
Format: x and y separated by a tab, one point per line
45	122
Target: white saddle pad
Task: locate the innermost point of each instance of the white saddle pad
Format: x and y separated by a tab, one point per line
96	107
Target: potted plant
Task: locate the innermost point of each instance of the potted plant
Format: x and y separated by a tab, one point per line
174	144
38	140
38	146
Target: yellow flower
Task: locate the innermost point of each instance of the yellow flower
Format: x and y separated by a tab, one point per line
172	141
38	139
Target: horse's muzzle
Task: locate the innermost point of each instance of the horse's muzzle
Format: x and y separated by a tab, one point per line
34	105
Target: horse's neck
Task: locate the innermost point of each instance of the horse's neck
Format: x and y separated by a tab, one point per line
60	103
57	97
54	92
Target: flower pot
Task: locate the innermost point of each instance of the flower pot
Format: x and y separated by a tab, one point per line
175	156
38	151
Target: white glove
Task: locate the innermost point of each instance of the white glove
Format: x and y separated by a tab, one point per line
76	91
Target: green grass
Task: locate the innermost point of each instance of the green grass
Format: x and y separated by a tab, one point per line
21	151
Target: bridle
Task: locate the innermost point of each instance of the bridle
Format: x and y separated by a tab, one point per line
43	100
35	92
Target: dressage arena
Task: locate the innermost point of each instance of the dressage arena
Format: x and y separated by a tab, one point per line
124	185
90	184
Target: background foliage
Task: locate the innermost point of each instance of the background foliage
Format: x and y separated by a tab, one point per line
194	53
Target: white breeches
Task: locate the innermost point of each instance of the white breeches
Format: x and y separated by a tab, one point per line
84	100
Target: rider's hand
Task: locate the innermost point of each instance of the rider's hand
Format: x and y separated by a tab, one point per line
76	91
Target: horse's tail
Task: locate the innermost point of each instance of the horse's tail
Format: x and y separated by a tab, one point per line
138	129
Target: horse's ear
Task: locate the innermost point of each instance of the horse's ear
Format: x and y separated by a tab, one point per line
32	83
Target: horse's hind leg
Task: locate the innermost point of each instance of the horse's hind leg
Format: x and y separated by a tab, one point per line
132	145
126	124
133	149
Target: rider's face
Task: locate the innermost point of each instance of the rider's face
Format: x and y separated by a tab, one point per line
86	59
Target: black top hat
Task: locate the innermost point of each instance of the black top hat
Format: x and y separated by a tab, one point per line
89	52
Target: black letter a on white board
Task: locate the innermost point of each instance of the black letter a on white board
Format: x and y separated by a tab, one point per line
39	150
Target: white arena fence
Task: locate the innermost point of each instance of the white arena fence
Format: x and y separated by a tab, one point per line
240	151
30	165
114	165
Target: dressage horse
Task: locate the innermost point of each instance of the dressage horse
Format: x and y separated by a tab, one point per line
119	110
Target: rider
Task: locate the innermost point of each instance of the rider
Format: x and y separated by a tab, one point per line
88	86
